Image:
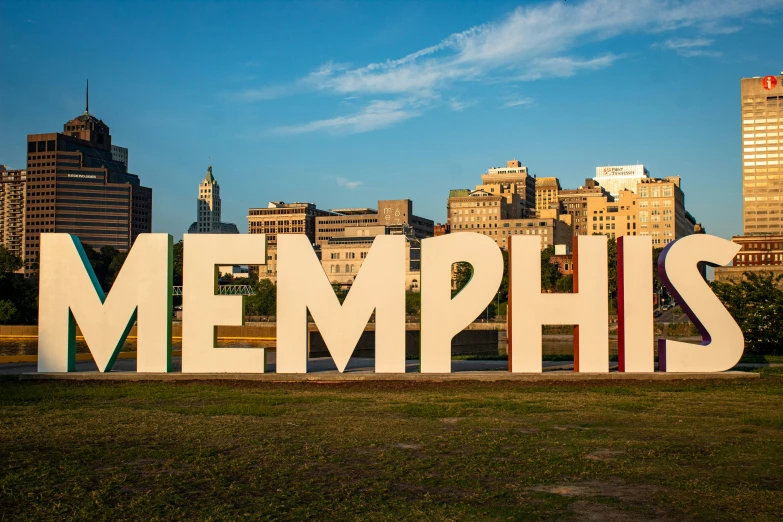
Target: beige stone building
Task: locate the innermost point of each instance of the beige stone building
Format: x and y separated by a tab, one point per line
551	231
284	218
547	195
390	212
613	218
515	184
342	256
12	209
762	154
208	209
656	209
484	213
574	203
346	234
662	213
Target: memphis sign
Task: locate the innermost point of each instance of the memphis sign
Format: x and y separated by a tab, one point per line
142	294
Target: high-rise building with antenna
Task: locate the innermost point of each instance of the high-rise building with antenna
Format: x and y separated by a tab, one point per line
74	185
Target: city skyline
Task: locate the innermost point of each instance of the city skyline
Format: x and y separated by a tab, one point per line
623	86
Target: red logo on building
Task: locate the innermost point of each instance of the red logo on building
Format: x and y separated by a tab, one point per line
769	82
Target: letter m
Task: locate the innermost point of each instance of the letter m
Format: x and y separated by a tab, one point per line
69	294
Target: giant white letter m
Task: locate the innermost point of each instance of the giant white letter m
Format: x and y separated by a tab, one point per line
70	294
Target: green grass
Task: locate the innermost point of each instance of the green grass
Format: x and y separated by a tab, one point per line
392	451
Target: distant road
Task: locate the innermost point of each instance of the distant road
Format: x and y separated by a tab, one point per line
669	317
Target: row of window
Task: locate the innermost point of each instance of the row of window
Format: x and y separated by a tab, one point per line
335	269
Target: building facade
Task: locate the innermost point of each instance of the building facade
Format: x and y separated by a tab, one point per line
284	218
342	256
13	196
656	208
574	203
390	212
488	214
761	114
208	209
547	195
75	186
615	179
757	254
120	154
762	148
515	184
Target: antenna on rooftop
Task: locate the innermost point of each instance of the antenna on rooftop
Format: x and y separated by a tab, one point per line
87	98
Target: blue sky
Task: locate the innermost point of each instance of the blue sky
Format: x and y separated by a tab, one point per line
345	103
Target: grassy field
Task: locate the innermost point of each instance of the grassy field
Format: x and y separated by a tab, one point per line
392	451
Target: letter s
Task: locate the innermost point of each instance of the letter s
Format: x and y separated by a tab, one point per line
677	268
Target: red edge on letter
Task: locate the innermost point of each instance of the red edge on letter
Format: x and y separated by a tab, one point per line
575	266
661	355
620	306
509	344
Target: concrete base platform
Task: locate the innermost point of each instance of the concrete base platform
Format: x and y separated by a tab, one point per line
333	376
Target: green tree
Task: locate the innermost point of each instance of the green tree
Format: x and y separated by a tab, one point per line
178	249
264	302
550	273
756	304
611	256
18	295
462	274
565	285
9	263
7	311
412	303
504	282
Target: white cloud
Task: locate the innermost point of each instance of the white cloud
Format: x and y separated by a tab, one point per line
263	93
531	43
377	115
526	102
690	47
457	105
351	185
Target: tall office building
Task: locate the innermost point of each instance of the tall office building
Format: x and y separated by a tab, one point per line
208	209
120	154
762	148
75	186
515	184
761	244
12	209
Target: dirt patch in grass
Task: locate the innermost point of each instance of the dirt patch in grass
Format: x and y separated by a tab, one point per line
604	488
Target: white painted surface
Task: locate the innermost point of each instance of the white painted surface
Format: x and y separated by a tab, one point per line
203	311
636	317
441	316
589	308
722	339
68	291
302	284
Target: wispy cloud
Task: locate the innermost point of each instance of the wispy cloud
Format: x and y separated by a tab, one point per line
458	105
531	43
517	102
351	185
260	94
377	115
689	47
